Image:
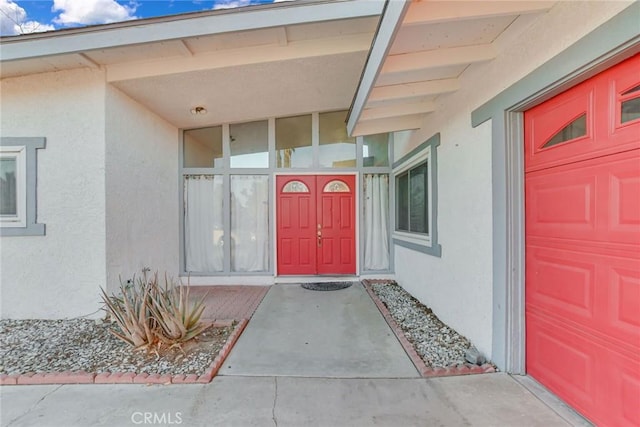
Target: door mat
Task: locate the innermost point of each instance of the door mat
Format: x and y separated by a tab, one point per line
326	286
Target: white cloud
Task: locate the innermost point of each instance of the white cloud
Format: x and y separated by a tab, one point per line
88	12
230	4
13	20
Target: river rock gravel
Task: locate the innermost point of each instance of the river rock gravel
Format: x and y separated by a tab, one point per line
42	346
437	344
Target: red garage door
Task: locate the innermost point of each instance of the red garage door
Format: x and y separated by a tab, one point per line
582	175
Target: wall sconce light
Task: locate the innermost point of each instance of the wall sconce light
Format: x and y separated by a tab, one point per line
198	110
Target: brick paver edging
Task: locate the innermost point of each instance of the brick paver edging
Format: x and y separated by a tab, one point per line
425	371
81	377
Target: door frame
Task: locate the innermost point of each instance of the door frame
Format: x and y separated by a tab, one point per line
274	211
605	46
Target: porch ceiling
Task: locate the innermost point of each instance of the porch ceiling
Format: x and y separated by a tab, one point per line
420	54
243	64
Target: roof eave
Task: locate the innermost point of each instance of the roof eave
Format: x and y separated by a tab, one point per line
175	27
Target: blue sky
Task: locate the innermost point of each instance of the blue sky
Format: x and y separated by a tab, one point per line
17	16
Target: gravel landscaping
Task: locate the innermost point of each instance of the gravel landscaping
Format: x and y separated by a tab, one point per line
43	346
437	344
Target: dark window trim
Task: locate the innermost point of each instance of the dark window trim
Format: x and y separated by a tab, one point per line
31	144
433	248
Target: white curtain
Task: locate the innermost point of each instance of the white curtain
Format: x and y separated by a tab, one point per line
249	223
376	222
203	223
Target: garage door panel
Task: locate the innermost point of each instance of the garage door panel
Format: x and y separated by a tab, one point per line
624	205
582	231
595	200
624	293
563	361
561	281
567	209
587	374
599	294
628	397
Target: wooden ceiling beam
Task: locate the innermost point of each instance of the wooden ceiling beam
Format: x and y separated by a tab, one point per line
412	90
398	110
371	127
433	12
425	59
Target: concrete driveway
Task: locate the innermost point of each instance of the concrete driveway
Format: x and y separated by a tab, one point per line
306	359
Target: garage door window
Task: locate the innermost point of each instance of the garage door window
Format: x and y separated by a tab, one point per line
631	107
576	129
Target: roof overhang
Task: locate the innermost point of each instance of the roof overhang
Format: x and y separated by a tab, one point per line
420	53
178	27
241	64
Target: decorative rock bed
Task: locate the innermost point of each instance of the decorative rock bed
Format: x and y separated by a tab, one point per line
441	350
83	351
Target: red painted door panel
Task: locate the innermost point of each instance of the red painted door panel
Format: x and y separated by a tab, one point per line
337	251
582	208
296	224
316	224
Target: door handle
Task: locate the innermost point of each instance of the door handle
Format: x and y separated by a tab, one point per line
319	238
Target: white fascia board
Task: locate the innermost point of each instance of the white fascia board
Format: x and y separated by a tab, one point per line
139	32
389	25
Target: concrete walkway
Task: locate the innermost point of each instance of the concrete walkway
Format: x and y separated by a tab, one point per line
336	334
474	400
306	359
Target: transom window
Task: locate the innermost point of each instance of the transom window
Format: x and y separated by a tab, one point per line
336	186
295	187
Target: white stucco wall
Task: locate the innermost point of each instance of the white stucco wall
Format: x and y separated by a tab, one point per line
58	275
141	190
458	286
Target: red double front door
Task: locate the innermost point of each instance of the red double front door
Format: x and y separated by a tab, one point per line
316	224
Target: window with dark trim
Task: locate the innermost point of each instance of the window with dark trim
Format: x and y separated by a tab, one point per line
416	199
18	168
412	200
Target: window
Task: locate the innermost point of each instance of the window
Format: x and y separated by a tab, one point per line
416	199
337	149
411	200
294	142
249	145
203	148
18	186
375	150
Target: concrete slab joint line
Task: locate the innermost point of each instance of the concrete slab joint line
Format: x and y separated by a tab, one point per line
32	407
275	401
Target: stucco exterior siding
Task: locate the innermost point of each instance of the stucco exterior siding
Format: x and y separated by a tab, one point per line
142	205
57	275
459	285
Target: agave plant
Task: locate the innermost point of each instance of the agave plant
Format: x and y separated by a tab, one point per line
131	314
148	313
178	320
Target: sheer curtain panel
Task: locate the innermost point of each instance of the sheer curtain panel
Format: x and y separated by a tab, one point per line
376	222
249	223
203	223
